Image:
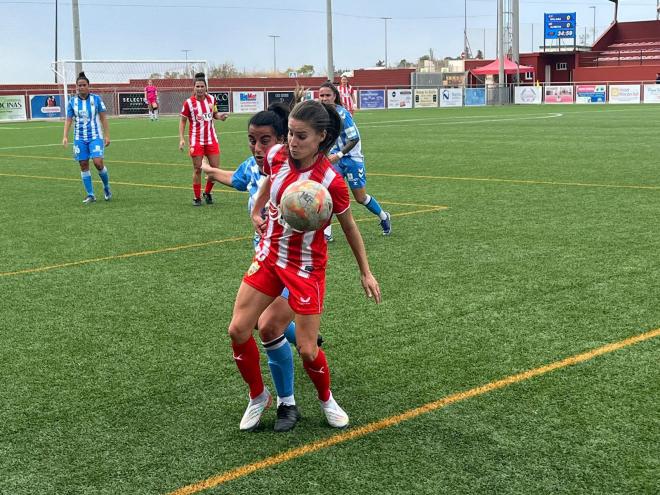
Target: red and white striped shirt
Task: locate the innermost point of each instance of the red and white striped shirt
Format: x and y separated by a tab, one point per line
346	94
200	116
300	252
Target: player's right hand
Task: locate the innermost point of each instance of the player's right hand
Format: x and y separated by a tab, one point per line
182	143
65	141
259	224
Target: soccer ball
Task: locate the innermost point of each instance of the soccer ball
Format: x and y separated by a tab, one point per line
306	205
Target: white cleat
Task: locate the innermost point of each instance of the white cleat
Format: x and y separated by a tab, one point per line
255	409
336	416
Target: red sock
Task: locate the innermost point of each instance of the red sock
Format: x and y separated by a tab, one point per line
197	190
246	357
209	186
319	372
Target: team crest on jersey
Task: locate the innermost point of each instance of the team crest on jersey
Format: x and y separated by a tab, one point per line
254	268
349	176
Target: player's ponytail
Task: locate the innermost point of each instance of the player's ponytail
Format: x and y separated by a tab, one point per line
82	76
321	117
277	117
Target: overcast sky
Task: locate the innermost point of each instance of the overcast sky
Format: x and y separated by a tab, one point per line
237	31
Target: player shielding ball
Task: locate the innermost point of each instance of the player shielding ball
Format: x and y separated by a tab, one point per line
200	110
296	260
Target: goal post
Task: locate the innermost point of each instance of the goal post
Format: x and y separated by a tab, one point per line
121	83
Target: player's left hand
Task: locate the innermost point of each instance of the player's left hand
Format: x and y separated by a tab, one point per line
106	141
333	158
371	287
223	116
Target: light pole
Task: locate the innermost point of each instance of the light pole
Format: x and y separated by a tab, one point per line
274	36
187	70
56	67
594	39
328	19
386	19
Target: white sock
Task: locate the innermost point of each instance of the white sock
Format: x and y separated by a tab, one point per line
328	231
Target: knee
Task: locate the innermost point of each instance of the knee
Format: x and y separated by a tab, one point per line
237	333
308	352
268	331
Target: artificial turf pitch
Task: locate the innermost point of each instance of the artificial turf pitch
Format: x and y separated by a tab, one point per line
521	236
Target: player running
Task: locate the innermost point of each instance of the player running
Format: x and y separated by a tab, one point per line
346	155
200	110
90	136
151	99
295	260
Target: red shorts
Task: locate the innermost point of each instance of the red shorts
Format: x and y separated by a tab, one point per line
204	149
153	103
305	293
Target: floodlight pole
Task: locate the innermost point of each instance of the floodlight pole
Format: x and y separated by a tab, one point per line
331	66
594	39
56	2
187	69
386	19
274	36
77	52
500	40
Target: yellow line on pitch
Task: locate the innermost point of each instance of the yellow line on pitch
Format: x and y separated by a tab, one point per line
516	181
114	182
365	430
28	271
60	158
122	256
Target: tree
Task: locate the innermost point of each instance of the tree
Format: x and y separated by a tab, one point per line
223	71
480	55
306	70
380	63
403	64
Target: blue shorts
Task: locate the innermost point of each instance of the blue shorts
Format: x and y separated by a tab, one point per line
354	172
84	150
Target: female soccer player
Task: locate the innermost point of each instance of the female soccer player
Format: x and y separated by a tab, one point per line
200	110
90	136
347	157
151	99
295	260
347	99
275	325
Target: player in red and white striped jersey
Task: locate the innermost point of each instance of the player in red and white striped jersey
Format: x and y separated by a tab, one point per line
200	110
347	95
295	260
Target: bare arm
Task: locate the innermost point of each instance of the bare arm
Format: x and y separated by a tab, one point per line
182	128
217	174
106	128
334	158
354	238
260	201
67	126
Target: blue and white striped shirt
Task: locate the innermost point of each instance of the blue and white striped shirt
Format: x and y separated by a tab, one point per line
248	177
85	115
349	132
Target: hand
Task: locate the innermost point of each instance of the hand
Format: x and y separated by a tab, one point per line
333	158
206	167
107	141
223	116
259	224
182	143
65	141
371	287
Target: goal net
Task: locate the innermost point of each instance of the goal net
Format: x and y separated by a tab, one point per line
121	83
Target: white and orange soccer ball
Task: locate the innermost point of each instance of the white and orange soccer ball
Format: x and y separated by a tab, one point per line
306	205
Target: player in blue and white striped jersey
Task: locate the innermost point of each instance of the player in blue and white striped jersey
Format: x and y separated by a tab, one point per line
275	325
86	112
346	155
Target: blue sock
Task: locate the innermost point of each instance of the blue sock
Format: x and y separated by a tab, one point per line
290	333
103	174
372	205
87	182
280	362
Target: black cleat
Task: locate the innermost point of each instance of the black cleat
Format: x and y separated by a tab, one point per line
208	198
319	340
287	417
197	201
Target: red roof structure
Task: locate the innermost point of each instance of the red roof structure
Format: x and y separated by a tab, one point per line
509	68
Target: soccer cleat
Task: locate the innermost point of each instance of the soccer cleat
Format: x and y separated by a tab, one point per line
319	340
197	201
208	198
386	225
255	409
329	238
287	417
89	199
107	194
336	416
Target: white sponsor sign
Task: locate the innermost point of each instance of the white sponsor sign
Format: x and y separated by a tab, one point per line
248	101
625	93
12	107
451	97
426	98
652	93
528	95
558	94
399	98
